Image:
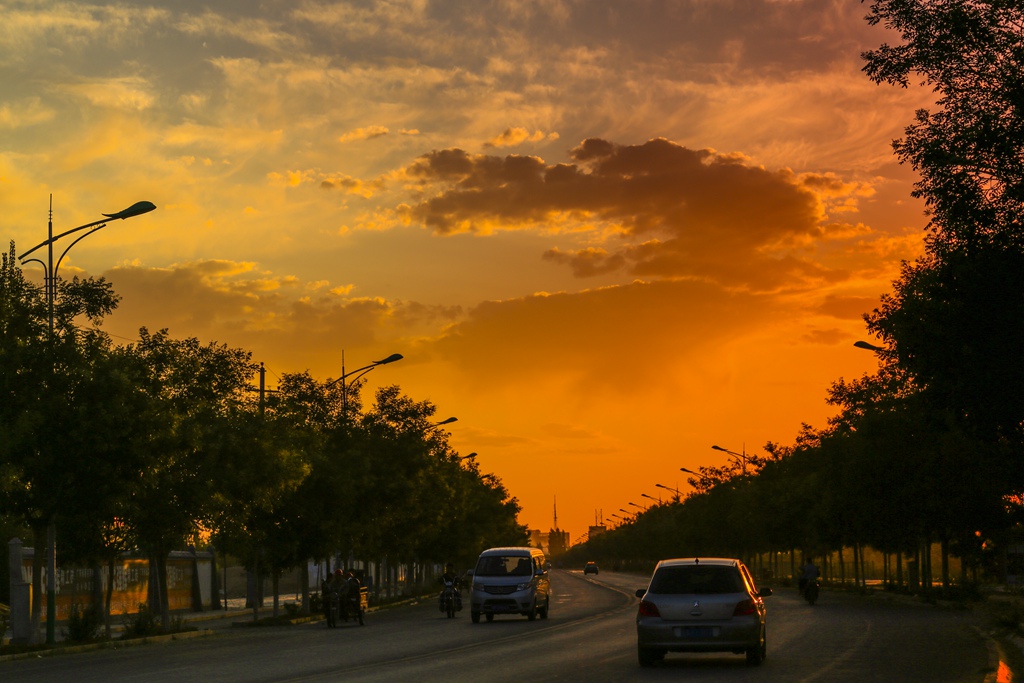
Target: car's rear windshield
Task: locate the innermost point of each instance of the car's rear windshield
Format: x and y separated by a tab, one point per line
504	565
696	579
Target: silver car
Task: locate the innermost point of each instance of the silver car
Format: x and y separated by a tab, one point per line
701	605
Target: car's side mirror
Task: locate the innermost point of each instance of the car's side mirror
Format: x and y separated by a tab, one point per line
764	592
640	592
469	573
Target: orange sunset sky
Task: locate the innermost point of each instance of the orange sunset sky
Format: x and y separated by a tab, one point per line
605	234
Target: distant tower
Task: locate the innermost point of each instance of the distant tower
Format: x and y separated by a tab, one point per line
558	540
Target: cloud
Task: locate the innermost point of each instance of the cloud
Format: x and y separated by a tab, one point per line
242	305
28	112
363	134
587	262
130	93
848	307
516	136
612	340
659	209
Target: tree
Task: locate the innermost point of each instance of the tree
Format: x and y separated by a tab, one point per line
47	373
970	152
194	389
955	319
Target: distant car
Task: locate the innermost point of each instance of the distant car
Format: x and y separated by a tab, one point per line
590	568
701	605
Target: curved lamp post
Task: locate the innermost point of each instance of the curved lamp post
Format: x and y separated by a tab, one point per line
467	457
50	285
656	500
50	268
639	506
742	456
356	374
445	422
673	490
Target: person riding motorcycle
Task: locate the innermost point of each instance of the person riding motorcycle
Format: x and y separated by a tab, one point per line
450	576
809	573
334	591
352	594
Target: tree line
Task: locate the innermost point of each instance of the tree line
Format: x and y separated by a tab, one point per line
162	443
930	449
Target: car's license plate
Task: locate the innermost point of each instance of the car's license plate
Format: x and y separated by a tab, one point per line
695	631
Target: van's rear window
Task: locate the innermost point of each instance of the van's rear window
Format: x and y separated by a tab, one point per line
504	565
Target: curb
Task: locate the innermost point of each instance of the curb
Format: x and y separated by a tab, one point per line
997	671
107	645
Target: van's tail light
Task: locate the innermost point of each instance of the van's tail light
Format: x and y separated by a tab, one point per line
744	607
649	609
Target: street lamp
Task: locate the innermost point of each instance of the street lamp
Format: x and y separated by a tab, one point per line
639	506
467	457
356	374
50	287
673	490
445	422
50	268
656	500
683	469
869	346
742	456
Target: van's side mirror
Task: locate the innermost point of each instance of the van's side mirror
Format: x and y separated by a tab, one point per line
469	572
547	566
640	592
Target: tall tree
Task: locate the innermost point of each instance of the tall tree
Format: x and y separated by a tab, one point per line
956	317
47	371
195	387
970	150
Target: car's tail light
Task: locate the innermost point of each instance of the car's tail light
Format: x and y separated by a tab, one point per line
649	609
744	607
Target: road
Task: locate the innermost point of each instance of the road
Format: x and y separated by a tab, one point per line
590	636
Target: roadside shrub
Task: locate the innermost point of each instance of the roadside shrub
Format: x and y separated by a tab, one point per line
83	624
141	624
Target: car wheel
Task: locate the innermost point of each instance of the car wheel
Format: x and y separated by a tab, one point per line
532	614
756	655
490	617
474	617
649	656
547	605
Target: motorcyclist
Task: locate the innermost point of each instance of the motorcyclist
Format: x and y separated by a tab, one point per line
456	581
334	591
808	573
351	598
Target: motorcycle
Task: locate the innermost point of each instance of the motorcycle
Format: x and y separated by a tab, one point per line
355	604
810	591
450	602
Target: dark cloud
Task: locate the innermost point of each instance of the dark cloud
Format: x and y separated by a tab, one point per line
679	212
616	339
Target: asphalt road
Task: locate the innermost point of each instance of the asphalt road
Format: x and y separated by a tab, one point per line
590	636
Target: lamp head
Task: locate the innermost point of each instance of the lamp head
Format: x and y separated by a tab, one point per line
136	209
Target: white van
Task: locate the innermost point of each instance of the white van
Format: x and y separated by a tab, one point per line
510	581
